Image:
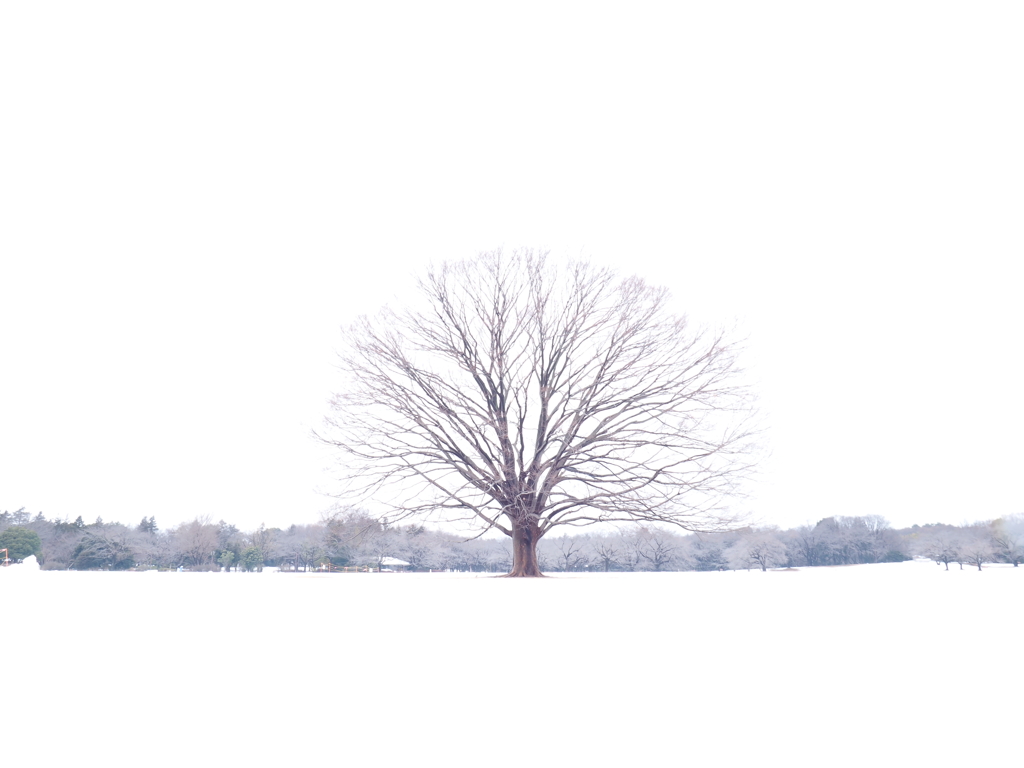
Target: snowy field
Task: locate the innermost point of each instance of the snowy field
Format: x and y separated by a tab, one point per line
893	664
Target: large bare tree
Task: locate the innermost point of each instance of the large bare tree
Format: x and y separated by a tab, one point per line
522	395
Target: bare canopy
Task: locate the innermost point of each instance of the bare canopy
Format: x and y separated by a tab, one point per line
524	395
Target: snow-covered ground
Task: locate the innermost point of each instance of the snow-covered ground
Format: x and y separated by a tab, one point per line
888	664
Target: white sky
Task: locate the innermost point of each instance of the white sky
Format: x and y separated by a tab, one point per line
194	198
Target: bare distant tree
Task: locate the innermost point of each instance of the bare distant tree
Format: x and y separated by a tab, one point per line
60	545
809	545
423	550
943	545
977	548
657	548
111	546
761	549
196	542
632	546
303	546
346	529
522	396
1008	539
377	545
570	553
606	552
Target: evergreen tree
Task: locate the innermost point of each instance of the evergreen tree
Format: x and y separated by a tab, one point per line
21	542
252	559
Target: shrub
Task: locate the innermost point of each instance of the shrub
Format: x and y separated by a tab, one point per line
894	556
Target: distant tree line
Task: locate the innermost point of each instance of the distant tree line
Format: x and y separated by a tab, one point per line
352	539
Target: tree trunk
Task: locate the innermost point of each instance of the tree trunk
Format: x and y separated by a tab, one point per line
524	551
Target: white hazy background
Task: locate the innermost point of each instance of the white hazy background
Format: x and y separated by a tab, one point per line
194	196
